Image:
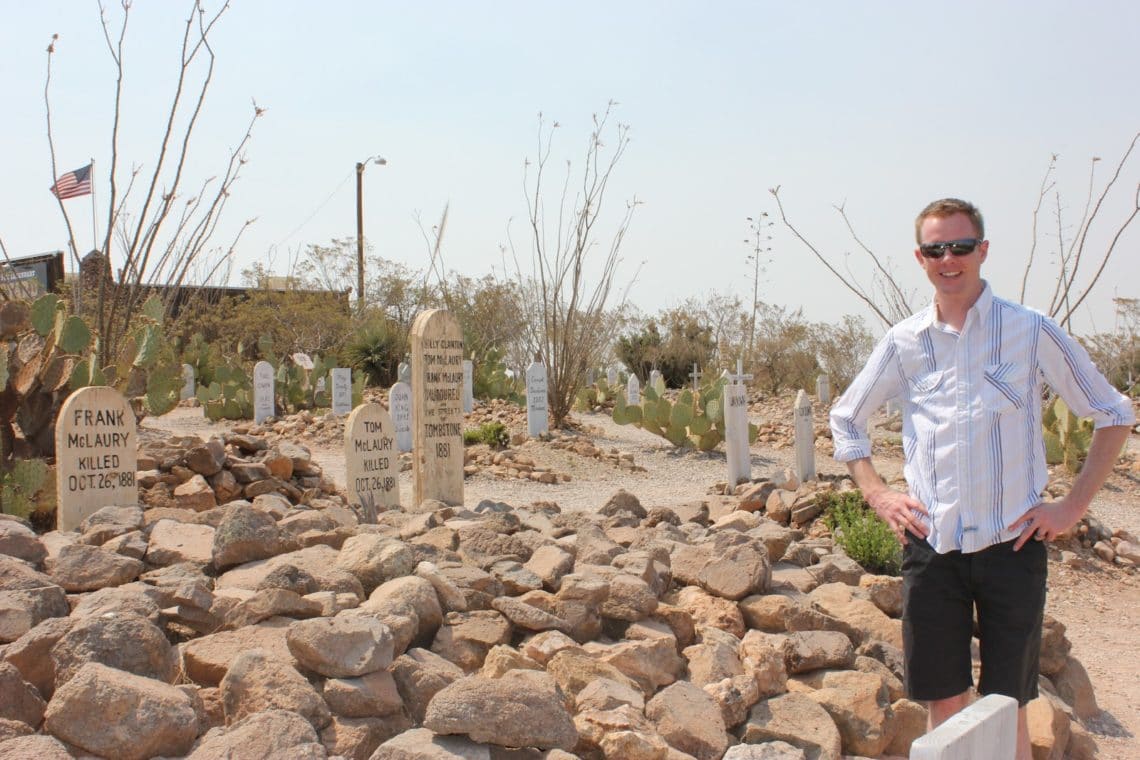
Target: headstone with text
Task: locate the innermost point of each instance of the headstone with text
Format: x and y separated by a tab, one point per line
263	390
437	407
805	438
468	394
738	455
188	388
633	391
341	389
400	407
611	376
823	389
96	455
536	416
987	728
371	461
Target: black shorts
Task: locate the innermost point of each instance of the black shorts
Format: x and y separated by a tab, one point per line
940	593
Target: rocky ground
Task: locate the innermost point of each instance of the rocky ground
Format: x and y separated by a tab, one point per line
599	594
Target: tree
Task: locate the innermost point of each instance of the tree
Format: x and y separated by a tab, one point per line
162	231
571	330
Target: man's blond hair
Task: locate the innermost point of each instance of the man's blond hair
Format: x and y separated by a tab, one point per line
945	207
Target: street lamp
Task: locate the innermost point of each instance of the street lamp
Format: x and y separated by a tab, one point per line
360	226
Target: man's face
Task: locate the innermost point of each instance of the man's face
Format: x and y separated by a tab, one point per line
952	276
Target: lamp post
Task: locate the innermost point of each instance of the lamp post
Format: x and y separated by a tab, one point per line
360	227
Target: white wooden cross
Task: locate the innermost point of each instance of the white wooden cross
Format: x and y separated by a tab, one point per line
696	375
739	376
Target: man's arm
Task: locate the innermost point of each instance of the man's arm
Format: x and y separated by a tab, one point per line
895	508
1049	519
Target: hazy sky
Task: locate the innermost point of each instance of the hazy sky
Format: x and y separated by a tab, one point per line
882	105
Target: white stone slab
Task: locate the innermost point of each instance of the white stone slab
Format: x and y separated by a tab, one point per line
612	376
437	408
633	391
371	461
987	728
96	455
536	400
400	407
468	394
188	387
805	438
823	389
657	383
404	373
263	390
736	433
341	390
304	361
591	376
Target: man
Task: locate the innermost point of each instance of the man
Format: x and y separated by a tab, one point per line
969	369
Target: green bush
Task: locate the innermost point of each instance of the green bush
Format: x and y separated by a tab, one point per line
859	531
376	351
494	434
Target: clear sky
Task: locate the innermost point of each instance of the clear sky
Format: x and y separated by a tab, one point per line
881	105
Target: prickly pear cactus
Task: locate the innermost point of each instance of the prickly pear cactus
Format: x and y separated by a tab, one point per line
694	420
1067	437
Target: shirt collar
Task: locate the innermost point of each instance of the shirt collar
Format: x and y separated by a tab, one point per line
981	307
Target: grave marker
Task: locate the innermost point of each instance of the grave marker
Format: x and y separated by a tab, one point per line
823	389
304	361
536	418
96	455
737	453
696	377
987	728
341	390
656	383
437	407
805	438
591	376
404	373
263	391
371	461
400	407
188	388
633	391
321	386
612	376
468	395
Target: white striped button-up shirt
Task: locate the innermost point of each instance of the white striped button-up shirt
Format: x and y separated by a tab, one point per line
975	456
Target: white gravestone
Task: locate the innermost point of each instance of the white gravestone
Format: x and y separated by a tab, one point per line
468	395
404	373
655	382
188	389
96	455
823	390
611	376
321	386
633	391
987	728
737	452
341	390
263	390
536	418
304	361
591	376
805	438
437	408
371	461
400	406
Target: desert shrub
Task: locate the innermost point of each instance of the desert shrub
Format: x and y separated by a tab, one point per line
858	530
494	434
376	350
686	342
490	379
784	352
842	349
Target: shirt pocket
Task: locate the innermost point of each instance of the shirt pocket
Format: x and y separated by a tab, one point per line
1003	387
925	384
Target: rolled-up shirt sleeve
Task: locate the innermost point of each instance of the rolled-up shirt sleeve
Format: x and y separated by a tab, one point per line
1069	371
878	381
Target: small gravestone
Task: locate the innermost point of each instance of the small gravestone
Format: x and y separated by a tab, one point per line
612	376
805	438
404	373
591	376
737	453
633	391
263	391
188	389
400	406
437	408
695	375
371	462
536	418
468	395
656	383
304	361
321	386
96	455
823	389
341	390
987	728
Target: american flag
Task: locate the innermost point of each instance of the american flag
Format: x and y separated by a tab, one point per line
73	184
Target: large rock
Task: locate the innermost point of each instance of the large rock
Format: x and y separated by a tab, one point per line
104	524
765	751
20	541
710	610
1073	686
162	718
207	658
246	534
690	720
764	658
258	681
1049	727
466	637
650	662
796	719
126	642
31	653
78	567
172	542
341	647
409	596
859	704
422	744
419	675
374	559
22	700
318	561
23	609
35	747
814	650
841	601
195	494
574	669
521	709
371	695
267	735
736	573
358	738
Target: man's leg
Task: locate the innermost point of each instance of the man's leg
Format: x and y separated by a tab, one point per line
1024	748
939	710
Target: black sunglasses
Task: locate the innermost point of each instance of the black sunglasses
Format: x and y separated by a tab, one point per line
962	247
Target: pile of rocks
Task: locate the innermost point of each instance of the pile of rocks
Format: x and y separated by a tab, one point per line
583	446
511	415
276	627
508	464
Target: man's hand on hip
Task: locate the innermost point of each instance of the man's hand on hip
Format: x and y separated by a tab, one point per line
1047	520
900	511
